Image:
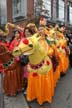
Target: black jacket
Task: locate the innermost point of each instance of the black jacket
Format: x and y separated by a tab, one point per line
24	60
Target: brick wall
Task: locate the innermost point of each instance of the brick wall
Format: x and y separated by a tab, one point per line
30	11
9	10
23	22
30	8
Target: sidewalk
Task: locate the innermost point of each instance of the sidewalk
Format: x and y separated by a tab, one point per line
11	102
15	102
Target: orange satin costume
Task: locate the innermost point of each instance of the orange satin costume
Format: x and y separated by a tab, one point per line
63	53
40	86
52	51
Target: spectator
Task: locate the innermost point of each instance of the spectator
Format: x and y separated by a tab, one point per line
16	40
24	60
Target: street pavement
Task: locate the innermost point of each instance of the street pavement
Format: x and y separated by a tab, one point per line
15	102
11	102
1	92
62	98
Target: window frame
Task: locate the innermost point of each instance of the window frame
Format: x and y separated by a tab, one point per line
61	8
21	15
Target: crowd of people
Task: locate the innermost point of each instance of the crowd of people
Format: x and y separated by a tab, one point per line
56	44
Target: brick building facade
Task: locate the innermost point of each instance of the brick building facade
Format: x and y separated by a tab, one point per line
21	11
20	20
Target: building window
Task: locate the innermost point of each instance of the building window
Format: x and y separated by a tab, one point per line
42	7
19	8
55	10
47	4
3	12
61	10
70	13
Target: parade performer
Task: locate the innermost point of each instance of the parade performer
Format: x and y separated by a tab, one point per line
16	40
39	70
63	50
47	43
12	83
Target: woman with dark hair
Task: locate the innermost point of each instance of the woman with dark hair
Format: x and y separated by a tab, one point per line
16	40
24	60
28	32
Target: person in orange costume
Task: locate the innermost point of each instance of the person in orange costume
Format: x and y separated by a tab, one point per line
49	51
41	93
40	70
63	50
52	51
35	82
